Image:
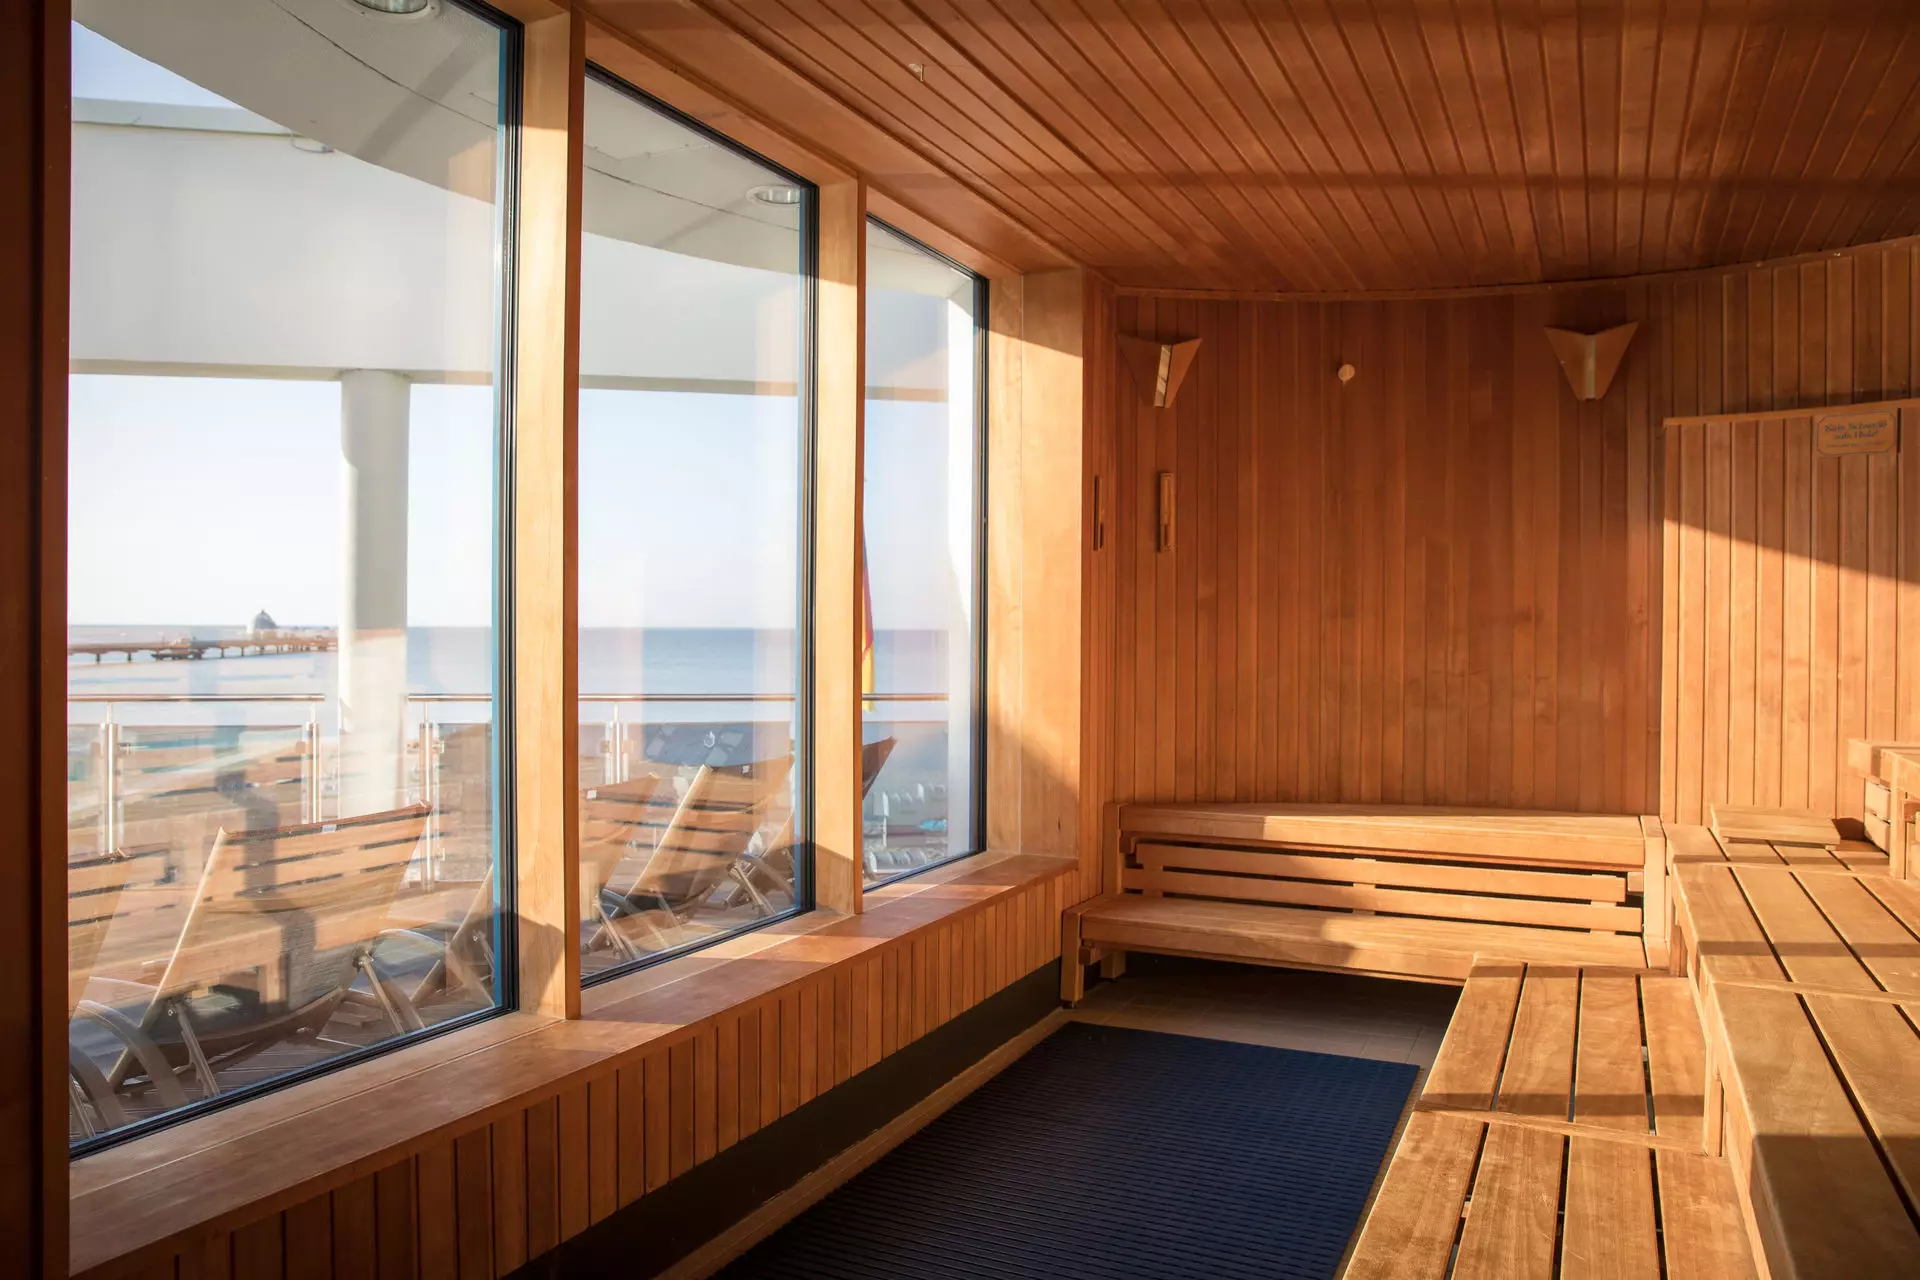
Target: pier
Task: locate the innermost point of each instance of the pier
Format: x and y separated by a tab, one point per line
189	648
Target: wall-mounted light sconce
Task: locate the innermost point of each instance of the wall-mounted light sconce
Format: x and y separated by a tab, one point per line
1158	367
1591	359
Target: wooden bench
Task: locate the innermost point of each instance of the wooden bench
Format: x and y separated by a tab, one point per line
1809	978
1399	892
1559	1134
1765	847
1868	757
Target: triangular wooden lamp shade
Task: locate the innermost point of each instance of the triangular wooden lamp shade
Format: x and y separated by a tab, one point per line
1591	359
1158	367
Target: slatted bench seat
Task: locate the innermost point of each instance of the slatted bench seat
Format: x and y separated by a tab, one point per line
1699	845
1810	983
1559	1134
1398	892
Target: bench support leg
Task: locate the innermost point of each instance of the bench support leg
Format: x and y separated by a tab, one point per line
1113	964
1073	973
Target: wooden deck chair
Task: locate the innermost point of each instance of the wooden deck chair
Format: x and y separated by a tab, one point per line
465	957
705	840
93	899
772	867
618	821
300	908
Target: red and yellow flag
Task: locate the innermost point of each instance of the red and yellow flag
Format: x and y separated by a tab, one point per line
866	630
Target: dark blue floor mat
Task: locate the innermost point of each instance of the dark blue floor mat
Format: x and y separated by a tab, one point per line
1112	1153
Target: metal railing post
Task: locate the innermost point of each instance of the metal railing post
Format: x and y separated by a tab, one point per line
109	785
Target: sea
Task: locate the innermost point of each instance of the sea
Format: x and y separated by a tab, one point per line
452	663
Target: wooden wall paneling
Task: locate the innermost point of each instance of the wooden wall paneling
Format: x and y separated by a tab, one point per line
1577	649
1006	630
1812	650
839	460
1906	620
355	1243
546	533
481	1202
1053	487
508	1153
543	1175
1097	675
308	1239
436	1218
34	220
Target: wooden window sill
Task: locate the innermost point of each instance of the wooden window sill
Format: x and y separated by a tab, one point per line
133	1204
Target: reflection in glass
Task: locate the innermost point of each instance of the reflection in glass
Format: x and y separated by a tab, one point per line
691	432
922	512
282	449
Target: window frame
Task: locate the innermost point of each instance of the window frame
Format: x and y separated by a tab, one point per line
977	800
804	646
505	846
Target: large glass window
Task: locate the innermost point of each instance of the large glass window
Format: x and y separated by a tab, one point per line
692	535
922	633
284	454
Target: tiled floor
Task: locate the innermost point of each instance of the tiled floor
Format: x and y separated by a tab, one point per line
1287	1008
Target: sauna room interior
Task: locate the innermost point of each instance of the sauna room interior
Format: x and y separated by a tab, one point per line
868	639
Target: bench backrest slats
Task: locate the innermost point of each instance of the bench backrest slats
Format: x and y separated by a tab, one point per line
1351	868
1540	870
1536	839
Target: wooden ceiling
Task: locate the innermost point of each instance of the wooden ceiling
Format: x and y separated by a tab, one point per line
1361	144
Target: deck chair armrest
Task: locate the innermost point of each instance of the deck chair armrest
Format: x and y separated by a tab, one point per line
151	1060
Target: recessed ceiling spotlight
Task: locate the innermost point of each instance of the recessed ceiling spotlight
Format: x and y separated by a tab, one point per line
776	193
312	146
398	8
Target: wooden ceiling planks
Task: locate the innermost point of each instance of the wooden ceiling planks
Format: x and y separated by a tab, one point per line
1341	145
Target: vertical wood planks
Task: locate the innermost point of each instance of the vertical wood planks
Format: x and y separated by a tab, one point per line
482	1203
1447	582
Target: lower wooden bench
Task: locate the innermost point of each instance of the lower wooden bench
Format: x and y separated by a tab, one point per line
1483	1200
1810	983
1396	891
1559	1134
1388	946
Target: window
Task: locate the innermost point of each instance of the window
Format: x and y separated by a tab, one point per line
286	426
693	432
925	552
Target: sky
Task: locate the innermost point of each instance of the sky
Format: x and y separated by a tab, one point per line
199	501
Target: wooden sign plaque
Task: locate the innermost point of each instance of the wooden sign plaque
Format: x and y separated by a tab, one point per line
1839	434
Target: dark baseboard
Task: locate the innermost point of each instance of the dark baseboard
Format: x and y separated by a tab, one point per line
660	1228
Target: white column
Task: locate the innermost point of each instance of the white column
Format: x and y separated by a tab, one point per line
373	590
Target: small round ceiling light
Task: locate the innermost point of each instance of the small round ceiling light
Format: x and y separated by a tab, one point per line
779	194
397	8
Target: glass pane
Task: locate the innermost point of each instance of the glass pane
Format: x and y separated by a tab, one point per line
284	433
691	454
922	557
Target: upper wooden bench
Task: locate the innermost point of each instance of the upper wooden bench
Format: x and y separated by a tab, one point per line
1880	762
1395	891
1809	976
